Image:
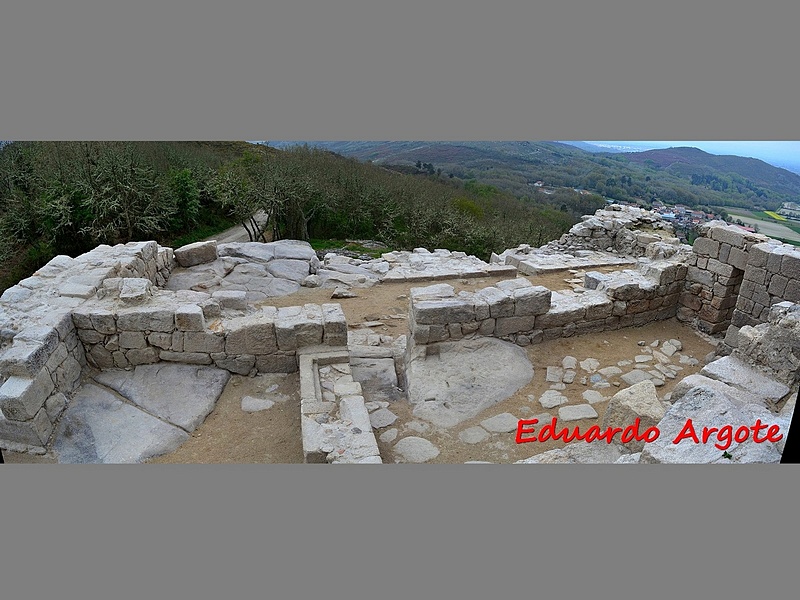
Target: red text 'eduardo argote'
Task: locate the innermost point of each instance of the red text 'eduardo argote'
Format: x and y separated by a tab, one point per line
722	437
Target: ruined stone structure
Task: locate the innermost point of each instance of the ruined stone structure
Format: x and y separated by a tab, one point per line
139	304
106	309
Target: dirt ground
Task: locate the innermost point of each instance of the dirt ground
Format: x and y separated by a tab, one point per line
230	435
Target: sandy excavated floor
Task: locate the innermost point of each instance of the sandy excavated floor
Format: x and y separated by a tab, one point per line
231	435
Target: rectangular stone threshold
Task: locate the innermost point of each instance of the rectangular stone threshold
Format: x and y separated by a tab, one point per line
335	422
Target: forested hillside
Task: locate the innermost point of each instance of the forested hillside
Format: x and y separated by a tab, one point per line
677	175
67	197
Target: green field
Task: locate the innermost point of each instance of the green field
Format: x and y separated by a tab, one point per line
785	231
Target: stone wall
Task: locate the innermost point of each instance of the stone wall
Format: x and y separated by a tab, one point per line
518	311
734	278
716	270
41	355
772	276
196	328
107	309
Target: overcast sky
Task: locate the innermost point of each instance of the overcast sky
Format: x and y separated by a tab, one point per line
781	153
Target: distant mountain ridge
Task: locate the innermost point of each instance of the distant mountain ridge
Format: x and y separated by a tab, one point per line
758	171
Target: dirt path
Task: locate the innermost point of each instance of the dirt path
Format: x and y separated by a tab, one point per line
237	233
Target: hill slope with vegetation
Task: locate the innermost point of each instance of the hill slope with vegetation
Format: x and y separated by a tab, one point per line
68	197
677	175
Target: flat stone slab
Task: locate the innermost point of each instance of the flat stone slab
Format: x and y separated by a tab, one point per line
569	362
734	372
593	397
473	435
382	417
415	450
576	412
537	264
181	394
502	423
634	377
389	435
554	374
98	427
590	365
551	399
377	377
418	426
465	378
251	404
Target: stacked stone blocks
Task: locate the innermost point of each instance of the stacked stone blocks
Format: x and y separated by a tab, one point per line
265	340
518	311
41	363
734	278
715	275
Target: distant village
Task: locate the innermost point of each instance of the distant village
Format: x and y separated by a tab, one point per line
686	219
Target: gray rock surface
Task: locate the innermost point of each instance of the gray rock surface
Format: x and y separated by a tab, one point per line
593	397
551	399
597	452
473	435
707	407
389	435
590	365
635	376
181	394
415	450
502	423
251	404
576	412
97	427
733	371
196	253
293	270
737	396
464	378
639	401
382	417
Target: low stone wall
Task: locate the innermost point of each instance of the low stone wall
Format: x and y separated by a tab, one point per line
518	311
772	275
715	274
193	328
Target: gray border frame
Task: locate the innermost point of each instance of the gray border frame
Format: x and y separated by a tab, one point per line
411	70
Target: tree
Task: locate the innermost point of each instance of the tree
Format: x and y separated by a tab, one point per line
123	196
232	188
184	193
